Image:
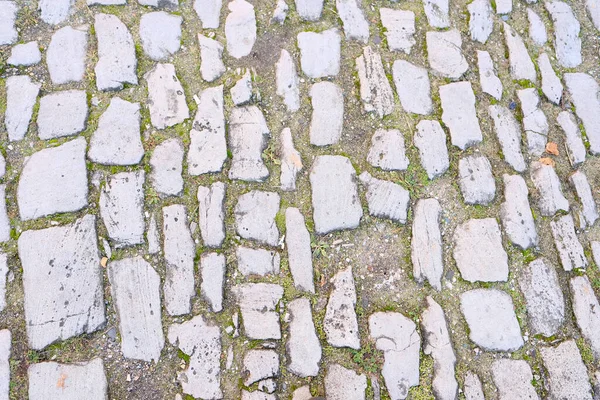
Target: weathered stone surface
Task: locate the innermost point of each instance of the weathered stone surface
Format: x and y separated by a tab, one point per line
513	379
504	6
208	148
212	267
397	337
166	99
169	4
490	262
567	244
573	140
3	274
567	374
458	105
21	95
66	55
320	53
437	13
257	261
280	12
257	303
551	85
25	54
584	194
160	33
291	161
399	28
135	288
327	120
413	87
489	81
537	30
211	65
375	89
209	12
543	297
426	244
387	150
344	384
439	345
584	94
521	66
51	380
240	28
566	33
241	92
476	180
5	346
491	318
593	9
179	251
302	393
340	323
481	22
248	135
122	208
515	213
53	180
287	81
508	132
551	198
430	139
8	17
62	280
353	19
585	307
445	55
201	341
62	114
117	139
153	236
472	387
259	365
534	121
167	167
335	200
297	240
257	395
595	245
255	214
386	199
116	53
211	211
54	12
106	2
4	220
309	10
303	346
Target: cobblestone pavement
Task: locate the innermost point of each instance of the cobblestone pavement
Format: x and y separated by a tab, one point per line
299	199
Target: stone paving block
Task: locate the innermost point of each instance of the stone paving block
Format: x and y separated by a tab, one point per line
241	92
344	384
593	9
291	161
106	2
537	29
458	105
413	87
309	10
166	98
444	52
335	200
179	252
504	6
168	4
375	89
567	244
476	181
209	12
320	53
488	79
255	214
426	243
257	395
547	183
280	12
211	211
5	346
399	28
585	307
66	55
387	150
535	123
62	114
327	119
258	303
135	289
167	166
212	267
122	208
513	379
302	393
287	81
3	275
567	374
54	12
153	236
489	263
25	54
117	62
303	347
208	149
386	199
584	94
521	66
62	281
566	33
595	245
472	387
584	194
201	341
53	180
248	136
491	318
551	84
353	19
51	380
297	240
259	365
481	23
437	13
515	213
21	96
430	139
257	261
340	323
8	17
160	33
508	132
240	28
211	65
570	127
4	220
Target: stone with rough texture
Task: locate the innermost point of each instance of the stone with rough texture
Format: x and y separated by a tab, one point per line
153	236
54	12
584	94
302	393
353	19
327	100
521	66
573	140
280	12
413	87
335	200
320	53
62	114
344	384
106	2
489	81
212	267
67	44
25	55
508	132
53	180
535	123
201	341
386	199
309	10
584	194
491	319
117	140
291	161
398	338
567	244
426	243
387	150
537	30
567	374
551	84
515	213
3	274
595	245
211	65
504	6
476	180
51	380
303	346
458	105
287	81
445	53
259	365
21	96
430	139
208	147
117	62
240	28
248	135
4	222
211	211
543	296
257	261
255	213
160	33
472	387
481	22
5	346
8	18
297	240
439	345
547	183
375	89
166	99
135	288
62	281
209	12
340	323
167	166
566	33
179	251
241	92
258	303
585	307
399	29
257	395
437	13
513	380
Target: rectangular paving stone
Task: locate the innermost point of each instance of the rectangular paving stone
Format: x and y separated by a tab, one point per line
573	140
399	28
257	261
240	28
8	17
413	87
211	53
320	53
287	81
481	23
258	303
344	384
489	81
585	196
4	220
211	212
426	244
584	89
444	52
521	66
430	139
21	96
508	132
340	323
291	161
567	374
353	19
567	244
515	213
255	213
297	240
550	196
62	114
3	275
67	53
387	150
303	347
375	89
160	34
567	42
327	119
212	270
513	379
585	307
248	136
535	123
166	97
386	199
458	105
476	180
167	167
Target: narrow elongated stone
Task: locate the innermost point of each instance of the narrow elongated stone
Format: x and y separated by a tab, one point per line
521	66
241	92
545	180
386	199
211	65
297	240
513	379
212	269
209	12
153	236
585	307
567	244
444	51
257	261
166	163
66	55
515	213
303	346
211	212
430	139
255	213
426	244
340	323
509	135
375	89
566	33
327	119
387	150
291	161
8	18
584	193
537	29
458	105
166	97
481	23
51	380
62	114
437	13
160	33
489	81
3	274
240	28
534	121
567	374
476	181
320	53
5	346
257	303
309	10
248	134
21	95
573	140
353	19
344	384
287	81
413	87
584	94
399	28
116	53
551	85
472	387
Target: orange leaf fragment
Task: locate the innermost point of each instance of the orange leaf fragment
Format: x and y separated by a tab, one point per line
552	148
